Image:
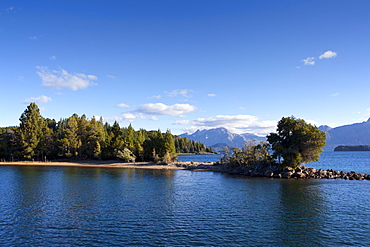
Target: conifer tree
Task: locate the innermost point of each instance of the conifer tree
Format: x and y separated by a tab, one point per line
169	143
130	138
30	131
70	143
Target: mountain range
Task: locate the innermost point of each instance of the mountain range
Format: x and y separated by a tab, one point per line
218	138
352	134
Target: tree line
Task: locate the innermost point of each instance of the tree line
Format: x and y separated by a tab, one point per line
76	137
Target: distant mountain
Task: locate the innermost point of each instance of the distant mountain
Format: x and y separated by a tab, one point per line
221	137
324	128
353	134
220	147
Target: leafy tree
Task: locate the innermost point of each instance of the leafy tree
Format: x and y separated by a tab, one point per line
31	131
126	155
296	142
251	155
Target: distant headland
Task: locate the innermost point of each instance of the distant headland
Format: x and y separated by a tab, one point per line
352	148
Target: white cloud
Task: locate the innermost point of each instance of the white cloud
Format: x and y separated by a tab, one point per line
53	58
234	123
176	92
309	61
122	105
328	54
211	95
128	116
154	118
334	94
62	79
312	122
162	109
111	77
38	100
112	119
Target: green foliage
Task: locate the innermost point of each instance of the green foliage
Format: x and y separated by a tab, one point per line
159	147
31	131
184	145
80	138
126	155
296	142
252	155
8	143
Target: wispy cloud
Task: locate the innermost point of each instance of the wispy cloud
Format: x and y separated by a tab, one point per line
63	79
328	54
53	58
111	77
177	92
10	9
162	109
334	94
309	61
211	95
235	123
155	97
122	105
38	100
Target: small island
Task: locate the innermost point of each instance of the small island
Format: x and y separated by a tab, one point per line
352	148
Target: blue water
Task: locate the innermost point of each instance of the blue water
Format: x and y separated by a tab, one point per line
200	157
341	161
66	206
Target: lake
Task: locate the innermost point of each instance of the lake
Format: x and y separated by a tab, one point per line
67	206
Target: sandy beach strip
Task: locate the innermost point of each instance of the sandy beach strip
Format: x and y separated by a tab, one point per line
101	164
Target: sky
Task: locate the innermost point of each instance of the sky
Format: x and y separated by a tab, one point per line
187	64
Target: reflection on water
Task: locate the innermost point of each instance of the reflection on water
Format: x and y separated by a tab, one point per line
48	206
301	212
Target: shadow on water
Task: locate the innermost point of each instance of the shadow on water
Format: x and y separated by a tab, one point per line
300	213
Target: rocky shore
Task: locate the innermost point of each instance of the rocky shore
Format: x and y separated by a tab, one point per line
301	172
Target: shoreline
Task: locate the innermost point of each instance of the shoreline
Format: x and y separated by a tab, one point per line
268	172
101	164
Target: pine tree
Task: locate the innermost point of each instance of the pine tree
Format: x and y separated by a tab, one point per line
30	131
70	143
169	147
130	138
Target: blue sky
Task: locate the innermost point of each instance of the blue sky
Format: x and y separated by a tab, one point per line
185	65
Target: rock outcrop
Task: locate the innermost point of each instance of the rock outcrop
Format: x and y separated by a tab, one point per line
301	172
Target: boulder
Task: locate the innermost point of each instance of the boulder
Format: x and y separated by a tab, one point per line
268	174
286	174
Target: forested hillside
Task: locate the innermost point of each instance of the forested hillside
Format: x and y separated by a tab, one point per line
76	137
